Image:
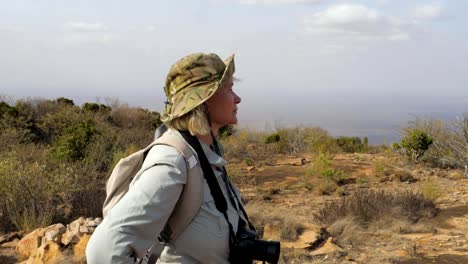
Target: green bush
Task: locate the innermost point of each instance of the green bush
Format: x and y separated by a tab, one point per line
272	138
6	109
333	175
30	190
72	145
248	162
65	101
350	144
416	143
226	131
55	157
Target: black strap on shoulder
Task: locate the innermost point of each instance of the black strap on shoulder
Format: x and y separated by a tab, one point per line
215	189
231	190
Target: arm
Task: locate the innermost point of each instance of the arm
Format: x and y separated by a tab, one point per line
134	223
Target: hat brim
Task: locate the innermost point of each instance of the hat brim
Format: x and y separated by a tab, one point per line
198	95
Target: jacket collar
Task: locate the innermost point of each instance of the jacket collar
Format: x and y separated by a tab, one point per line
212	156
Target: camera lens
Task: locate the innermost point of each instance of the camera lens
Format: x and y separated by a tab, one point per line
268	251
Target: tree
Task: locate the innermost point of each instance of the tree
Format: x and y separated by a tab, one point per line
415	144
226	131
65	101
273	138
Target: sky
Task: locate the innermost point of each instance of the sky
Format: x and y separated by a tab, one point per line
355	68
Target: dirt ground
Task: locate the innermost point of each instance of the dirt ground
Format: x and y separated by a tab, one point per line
280	188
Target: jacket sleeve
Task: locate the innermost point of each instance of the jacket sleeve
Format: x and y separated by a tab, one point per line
135	222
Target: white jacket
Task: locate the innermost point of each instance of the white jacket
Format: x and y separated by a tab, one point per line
135	222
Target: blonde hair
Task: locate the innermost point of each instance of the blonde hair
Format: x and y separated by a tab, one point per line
195	121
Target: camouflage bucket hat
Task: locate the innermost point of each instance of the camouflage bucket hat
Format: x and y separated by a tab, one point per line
193	80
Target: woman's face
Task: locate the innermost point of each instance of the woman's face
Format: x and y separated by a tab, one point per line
222	106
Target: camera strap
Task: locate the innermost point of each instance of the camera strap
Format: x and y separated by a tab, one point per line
215	189
231	191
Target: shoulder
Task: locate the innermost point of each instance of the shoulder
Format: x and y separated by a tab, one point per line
164	154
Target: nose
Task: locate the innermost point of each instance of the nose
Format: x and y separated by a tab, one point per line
237	99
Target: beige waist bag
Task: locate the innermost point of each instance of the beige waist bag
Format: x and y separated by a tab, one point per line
190	199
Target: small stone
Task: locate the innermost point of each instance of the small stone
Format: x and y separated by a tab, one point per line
250	168
84	229
54	233
69	237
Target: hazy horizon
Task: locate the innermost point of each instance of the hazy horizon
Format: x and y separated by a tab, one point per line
360	68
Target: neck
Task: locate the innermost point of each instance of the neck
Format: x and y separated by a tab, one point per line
208	139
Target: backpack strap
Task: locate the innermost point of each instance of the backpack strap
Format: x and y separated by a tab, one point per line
191	197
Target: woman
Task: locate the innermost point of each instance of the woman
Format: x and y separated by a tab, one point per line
201	100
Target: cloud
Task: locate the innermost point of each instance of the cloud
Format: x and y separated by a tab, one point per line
432	11
356	22
80	32
80	38
80	26
277	2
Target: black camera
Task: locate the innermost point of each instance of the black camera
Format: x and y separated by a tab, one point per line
247	248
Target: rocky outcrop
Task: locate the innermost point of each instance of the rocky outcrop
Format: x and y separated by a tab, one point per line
56	242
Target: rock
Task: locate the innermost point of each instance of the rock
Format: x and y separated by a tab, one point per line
293	161
53	233
93	222
250	168
251	147
79	251
48	252
10	237
74	226
78	228
30	242
11	244
403	176
327	248
70	237
84	229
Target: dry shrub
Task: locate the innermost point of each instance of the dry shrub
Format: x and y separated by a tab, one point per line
288	227
240	145
369	206
431	190
347	231
240	177
381	167
326	187
329	177
400	226
450	147
124	116
296	256
30	187
304	139
36	191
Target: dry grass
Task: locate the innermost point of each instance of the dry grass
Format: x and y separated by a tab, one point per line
431	190
273	223
295	256
325	187
240	177
369	206
380	167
